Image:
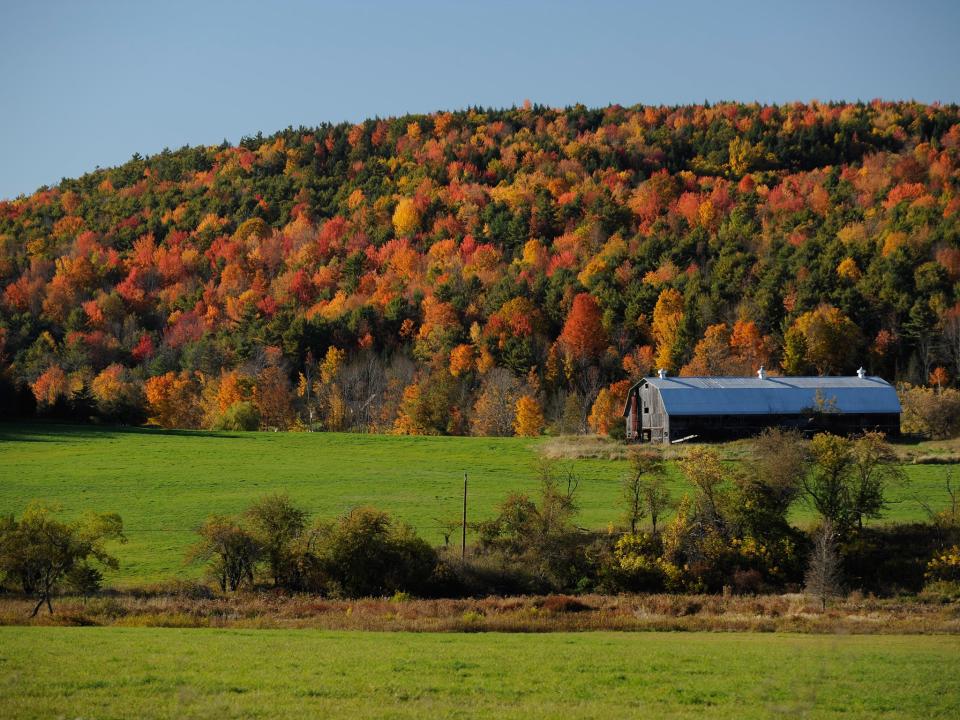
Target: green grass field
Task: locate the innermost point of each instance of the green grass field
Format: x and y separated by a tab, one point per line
159	673
163	483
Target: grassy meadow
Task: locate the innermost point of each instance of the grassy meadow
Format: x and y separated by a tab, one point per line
163	483
153	673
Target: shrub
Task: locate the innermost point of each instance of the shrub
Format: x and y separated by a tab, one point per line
240	416
636	565
563	604
367	553
539	536
890	558
941	591
945	566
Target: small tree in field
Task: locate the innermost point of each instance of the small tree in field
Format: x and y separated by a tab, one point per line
850	478
644	490
276	524
772	481
828	485
876	468
41	553
823	578
232	551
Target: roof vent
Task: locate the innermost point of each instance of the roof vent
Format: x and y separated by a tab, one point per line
761	373
661	373
861	373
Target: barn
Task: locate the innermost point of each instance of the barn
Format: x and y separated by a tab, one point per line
670	409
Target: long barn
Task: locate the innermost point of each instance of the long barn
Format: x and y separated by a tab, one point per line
669	409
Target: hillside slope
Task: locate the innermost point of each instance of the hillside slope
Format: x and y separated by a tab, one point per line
456	262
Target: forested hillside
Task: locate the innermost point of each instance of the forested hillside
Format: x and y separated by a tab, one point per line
485	271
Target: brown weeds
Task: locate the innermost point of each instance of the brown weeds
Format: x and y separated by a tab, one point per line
768	613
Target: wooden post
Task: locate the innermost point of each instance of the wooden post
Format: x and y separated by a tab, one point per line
463	533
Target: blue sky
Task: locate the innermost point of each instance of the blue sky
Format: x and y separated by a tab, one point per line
88	84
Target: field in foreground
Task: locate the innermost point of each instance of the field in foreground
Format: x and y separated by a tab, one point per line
116	673
163	483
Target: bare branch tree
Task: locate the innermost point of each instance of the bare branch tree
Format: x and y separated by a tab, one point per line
823	579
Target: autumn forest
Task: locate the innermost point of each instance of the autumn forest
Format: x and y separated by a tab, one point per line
488	272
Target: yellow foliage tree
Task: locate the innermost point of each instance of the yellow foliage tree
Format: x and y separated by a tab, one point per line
600	413
407	422
406	217
331	364
529	417
832	340
667	323
336	419
494	412
848	270
112	389
486	362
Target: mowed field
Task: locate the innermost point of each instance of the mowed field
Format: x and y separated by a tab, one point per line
159	673
163	483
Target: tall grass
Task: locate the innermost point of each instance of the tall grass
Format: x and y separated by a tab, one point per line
660	612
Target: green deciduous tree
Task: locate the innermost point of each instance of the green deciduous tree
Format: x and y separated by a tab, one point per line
41	553
231	551
276	523
366	552
828	485
772	480
875	469
850	477
644	489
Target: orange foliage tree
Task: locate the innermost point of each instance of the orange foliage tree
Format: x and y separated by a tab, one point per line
273	398
607	411
939	377
461	360
751	349
173	400
51	387
711	356
583	335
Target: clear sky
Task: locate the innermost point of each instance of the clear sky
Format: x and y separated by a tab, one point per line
90	83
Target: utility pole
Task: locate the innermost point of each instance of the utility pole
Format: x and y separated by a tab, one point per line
463	533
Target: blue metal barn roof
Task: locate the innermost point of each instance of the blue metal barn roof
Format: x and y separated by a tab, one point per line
774	395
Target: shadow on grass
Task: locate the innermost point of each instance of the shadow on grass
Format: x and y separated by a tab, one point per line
39	431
